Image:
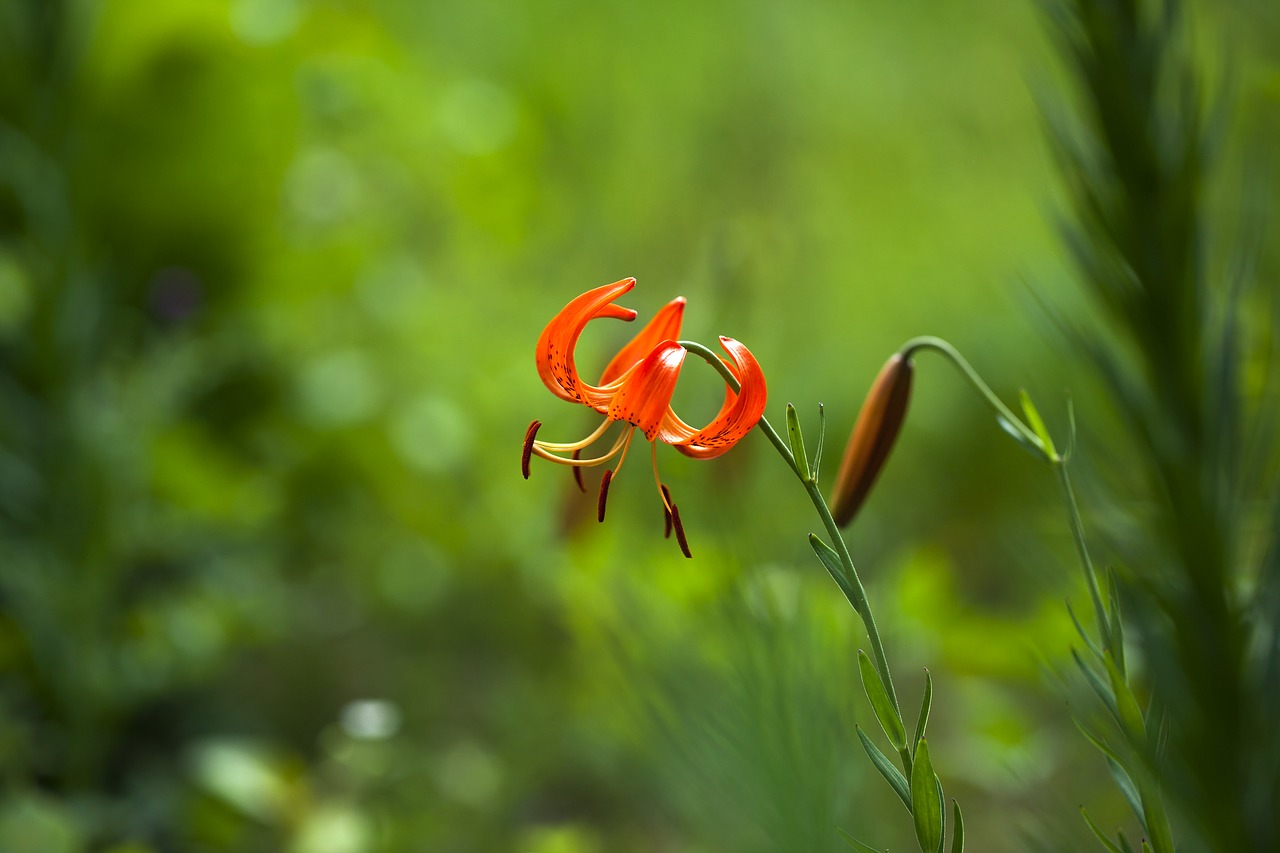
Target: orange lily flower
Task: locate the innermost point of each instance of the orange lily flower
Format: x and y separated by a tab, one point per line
636	389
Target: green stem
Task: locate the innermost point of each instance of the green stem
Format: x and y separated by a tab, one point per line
953	355
859	600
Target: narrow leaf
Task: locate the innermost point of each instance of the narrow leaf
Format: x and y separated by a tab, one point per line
923	720
926	809
1128	712
957	829
822	437
831	561
1097	831
887	769
1037	425
1146	848
1125	846
1084	635
1099	686
1098	742
1116	628
861	847
890	721
1071	430
1130	791
1025	443
796	438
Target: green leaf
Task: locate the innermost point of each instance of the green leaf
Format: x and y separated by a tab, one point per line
1084	635
1127	710
1099	686
1130	791
1102	836
1025	443
890	721
1098	742
831	561
855	843
957	829
925	705
1116	628
1037	426
1146	848
1071	430
926	805
822	436
796	438
891	774
1125	846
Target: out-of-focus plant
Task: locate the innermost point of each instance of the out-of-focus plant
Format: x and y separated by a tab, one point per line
1185	348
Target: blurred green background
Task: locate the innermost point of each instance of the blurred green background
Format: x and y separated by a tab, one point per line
271	272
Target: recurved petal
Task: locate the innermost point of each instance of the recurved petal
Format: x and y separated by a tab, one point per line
665	326
554	353
738	415
644	396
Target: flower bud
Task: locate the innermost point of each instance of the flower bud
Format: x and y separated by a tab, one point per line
873	435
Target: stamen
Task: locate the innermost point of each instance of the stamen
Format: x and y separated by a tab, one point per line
604	492
680	537
577	472
666	512
529	437
539	449
565	447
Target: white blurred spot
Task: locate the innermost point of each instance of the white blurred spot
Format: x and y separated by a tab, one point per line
370	719
243	776
333	829
477	117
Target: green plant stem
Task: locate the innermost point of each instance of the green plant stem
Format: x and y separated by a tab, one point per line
953	355
859	600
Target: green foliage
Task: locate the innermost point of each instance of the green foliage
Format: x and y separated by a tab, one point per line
270	276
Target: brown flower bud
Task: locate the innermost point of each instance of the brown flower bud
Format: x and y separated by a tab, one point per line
873	435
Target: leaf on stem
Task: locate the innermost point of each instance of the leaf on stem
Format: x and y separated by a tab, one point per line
1084	635
831	561
926	802
1099	686
795	437
957	829
1115	629
860	846
822	437
1097	831
1037	426
886	714
1023	441
891	774
923	720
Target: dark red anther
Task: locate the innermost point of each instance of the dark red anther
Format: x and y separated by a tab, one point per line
680	537
528	447
577	472
604	492
666	513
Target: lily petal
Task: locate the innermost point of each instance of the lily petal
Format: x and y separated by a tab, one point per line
554	353
739	414
665	326
643	396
